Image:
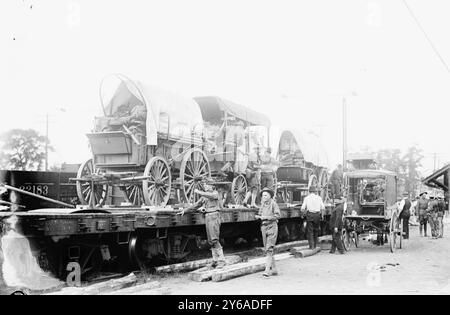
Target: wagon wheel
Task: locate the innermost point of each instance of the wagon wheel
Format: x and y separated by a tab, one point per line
323	185
157	187
134	194
194	169
312	181
239	189
346	239
88	192
393	233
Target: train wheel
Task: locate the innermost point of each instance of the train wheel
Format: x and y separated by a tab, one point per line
194	169
157	188
239	189
88	192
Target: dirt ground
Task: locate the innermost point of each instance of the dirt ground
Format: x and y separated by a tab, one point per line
421	267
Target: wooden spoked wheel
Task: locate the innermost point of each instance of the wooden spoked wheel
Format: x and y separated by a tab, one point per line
194	170
157	187
313	181
89	192
323	184
134	194
395	233
346	239
239	189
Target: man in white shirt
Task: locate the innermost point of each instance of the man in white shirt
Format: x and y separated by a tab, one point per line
313	205
405	214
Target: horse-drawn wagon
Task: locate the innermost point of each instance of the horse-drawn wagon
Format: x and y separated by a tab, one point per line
155	146
303	163
374	210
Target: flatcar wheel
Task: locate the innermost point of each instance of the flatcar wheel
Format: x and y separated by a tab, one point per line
134	255
239	189
88	192
194	169
157	187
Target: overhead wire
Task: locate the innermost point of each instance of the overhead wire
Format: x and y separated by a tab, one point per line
426	36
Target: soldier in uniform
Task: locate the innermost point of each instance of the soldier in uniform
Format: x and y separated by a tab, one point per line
405	214
210	202
440	217
422	206
336	180
131	116
432	216
269	213
336	225
268	164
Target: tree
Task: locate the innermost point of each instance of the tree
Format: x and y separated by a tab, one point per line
412	162
405	165
22	150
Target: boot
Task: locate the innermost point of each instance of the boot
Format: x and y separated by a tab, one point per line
269	262
274	271
221	258
215	258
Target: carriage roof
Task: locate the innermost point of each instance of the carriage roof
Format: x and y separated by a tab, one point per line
213	108
370	174
309	144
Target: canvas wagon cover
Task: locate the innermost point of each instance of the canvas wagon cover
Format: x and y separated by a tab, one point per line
309	144
167	112
212	108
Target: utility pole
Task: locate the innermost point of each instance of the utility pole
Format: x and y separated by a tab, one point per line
344	134
435	156
46	142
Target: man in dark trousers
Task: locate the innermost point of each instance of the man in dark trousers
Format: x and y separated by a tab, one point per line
336	225
405	214
422	206
210	202
313	206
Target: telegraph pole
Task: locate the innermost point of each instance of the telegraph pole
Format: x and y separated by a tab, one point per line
46	142
344	135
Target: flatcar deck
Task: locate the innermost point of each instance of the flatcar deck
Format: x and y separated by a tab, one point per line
66	222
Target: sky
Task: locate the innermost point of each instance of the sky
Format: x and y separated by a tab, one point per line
293	60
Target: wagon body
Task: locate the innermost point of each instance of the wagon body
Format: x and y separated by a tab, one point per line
374	210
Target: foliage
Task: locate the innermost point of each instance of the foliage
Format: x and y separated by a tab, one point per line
406	165
22	150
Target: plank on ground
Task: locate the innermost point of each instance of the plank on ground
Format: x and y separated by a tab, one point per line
239	270
300	252
102	287
141	289
195	264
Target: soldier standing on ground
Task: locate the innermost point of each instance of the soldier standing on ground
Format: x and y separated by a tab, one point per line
440	217
422	206
269	213
313	205
210	201
432	216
